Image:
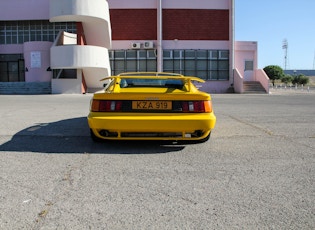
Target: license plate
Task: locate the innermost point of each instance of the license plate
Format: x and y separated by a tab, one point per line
152	105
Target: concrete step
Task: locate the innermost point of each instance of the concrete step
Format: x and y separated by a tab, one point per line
24	88
253	87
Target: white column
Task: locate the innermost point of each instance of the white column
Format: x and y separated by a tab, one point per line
159	47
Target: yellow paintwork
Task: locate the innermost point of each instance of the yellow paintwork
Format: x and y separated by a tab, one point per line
155	122
184	123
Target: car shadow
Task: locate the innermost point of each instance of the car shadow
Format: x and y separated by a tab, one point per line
73	136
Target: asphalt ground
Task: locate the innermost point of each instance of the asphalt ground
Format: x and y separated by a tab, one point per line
257	171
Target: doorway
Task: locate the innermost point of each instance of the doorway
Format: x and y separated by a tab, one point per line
249	70
12	71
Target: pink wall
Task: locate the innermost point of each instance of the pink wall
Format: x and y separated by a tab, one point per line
11	49
37	60
178	44
24	10
216	86
170	4
245	51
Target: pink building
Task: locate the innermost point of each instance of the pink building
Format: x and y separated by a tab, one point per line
70	45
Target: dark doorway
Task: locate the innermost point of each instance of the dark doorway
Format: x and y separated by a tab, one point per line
12	71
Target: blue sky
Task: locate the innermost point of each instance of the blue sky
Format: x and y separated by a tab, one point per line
269	22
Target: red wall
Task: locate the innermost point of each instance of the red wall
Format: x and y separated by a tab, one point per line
196	24
133	24
182	24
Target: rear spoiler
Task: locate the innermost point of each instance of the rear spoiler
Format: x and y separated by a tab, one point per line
184	78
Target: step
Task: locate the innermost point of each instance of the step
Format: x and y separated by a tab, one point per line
24	88
253	87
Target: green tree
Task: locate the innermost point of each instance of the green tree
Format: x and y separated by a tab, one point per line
287	78
274	72
300	79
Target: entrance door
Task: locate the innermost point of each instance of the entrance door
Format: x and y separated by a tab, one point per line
3	72
21	70
12	71
249	70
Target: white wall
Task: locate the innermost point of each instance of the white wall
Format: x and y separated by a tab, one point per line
67	86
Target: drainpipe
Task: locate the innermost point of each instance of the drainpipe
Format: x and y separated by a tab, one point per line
232	39
159	48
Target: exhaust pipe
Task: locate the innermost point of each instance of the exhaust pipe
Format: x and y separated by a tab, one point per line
104	133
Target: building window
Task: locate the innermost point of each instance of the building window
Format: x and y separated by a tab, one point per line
249	65
18	32
65	73
206	64
132	61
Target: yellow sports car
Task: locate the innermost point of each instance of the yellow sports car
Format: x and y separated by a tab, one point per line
151	106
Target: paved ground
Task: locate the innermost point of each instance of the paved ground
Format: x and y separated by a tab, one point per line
256	172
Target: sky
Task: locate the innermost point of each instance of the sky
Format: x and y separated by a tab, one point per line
270	22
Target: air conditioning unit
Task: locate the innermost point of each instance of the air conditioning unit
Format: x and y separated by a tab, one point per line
148	45
135	45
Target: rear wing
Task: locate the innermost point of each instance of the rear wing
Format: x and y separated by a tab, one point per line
183	78
161	76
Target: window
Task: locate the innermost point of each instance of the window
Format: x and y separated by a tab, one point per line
206	64
149	82
249	65
132	61
18	32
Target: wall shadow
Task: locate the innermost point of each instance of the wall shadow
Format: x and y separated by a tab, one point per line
72	136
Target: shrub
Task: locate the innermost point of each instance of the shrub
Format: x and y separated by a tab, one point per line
300	79
287	79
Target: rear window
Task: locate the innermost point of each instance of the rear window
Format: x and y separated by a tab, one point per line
157	83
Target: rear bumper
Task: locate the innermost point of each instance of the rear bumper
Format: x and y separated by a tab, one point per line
152	126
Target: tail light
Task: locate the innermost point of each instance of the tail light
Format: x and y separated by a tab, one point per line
106	106
196	106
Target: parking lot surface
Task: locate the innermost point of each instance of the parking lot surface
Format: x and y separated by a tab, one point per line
257	171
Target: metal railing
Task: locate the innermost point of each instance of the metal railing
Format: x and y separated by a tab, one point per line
292	88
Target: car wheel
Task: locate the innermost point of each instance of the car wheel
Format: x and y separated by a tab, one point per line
94	137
